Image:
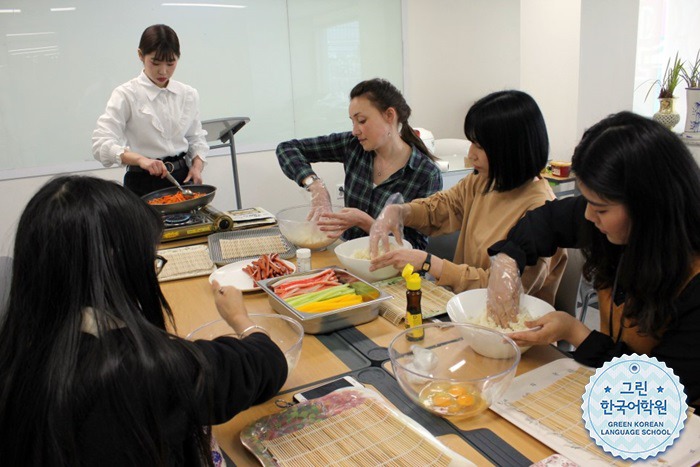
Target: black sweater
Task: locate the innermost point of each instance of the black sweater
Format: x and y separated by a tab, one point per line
240	373
561	223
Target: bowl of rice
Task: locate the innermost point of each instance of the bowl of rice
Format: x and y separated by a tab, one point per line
470	307
355	257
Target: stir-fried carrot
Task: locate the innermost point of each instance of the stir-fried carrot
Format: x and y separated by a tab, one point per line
174	198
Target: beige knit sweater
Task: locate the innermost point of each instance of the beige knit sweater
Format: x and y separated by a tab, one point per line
483	219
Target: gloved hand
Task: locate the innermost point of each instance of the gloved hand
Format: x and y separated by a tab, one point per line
390	220
320	200
504	290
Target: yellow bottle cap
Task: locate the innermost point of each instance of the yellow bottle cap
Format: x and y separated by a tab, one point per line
412	278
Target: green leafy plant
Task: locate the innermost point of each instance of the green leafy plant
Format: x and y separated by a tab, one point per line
691	72
672	76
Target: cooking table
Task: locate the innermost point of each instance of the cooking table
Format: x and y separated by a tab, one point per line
327	356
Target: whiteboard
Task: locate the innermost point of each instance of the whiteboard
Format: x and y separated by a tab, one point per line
287	65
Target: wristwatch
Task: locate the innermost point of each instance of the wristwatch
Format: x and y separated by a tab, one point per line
426	264
308	181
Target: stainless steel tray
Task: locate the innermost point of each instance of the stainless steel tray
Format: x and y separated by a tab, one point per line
321	323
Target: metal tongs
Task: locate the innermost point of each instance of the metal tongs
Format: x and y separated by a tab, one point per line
185	191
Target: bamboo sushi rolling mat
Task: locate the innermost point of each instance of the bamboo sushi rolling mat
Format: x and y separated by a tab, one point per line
546	403
558	407
228	247
341	429
433	299
188	261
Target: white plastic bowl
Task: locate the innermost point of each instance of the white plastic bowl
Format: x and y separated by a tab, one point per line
360	267
469	306
285	332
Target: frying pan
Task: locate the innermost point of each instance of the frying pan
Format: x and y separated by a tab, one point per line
183	206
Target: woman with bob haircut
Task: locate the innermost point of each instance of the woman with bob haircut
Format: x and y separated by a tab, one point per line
637	224
509	150
381	155
89	375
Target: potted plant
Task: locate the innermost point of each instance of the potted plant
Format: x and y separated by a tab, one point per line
691	75
672	77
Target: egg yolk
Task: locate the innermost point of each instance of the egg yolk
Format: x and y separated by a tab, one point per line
457	391
442	400
465	400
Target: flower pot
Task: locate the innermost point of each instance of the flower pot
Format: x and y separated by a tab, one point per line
666	115
692	118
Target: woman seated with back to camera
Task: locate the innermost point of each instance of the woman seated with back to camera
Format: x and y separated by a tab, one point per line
89	374
637	224
509	150
382	155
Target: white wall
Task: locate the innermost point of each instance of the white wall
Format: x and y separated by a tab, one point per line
457	51
608	54
549	50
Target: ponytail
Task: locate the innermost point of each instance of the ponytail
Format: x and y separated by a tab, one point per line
409	135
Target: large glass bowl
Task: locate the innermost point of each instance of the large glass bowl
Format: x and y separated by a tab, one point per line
442	373
303	233
284	331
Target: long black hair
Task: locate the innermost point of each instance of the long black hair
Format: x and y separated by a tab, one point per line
84	244
382	94
635	161
510	128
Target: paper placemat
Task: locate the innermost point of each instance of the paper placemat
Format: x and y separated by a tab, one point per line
188	261
229	247
433	299
546	402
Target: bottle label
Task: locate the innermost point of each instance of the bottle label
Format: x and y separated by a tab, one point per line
413	320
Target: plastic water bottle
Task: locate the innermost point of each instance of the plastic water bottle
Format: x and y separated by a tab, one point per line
303	260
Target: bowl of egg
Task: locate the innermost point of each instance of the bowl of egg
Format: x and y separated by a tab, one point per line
354	255
470	307
438	368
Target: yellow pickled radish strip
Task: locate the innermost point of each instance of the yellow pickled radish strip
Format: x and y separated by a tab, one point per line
331	304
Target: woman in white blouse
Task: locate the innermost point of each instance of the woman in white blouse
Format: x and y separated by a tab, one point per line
151	124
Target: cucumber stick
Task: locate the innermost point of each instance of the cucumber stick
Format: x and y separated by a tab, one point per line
311	297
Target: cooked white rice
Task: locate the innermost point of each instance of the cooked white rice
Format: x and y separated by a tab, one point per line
483	319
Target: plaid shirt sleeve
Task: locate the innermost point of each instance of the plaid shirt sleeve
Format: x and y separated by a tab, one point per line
295	156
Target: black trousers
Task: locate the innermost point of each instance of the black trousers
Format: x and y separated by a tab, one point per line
143	183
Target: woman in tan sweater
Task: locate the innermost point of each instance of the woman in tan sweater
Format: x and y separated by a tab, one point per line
509	150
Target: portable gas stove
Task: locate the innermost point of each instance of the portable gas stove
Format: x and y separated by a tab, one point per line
198	223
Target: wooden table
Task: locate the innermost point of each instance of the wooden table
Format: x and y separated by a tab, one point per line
193	305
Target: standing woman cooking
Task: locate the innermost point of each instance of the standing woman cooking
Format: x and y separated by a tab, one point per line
151	124
381	156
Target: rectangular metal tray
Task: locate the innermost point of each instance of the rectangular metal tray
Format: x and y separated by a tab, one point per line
321	323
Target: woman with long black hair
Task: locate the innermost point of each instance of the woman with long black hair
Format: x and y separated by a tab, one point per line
89	375
638	226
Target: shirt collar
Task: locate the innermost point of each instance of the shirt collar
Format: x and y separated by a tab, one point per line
152	91
416	158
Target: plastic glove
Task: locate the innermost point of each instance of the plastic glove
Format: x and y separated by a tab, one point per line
504	290
320	200
390	220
